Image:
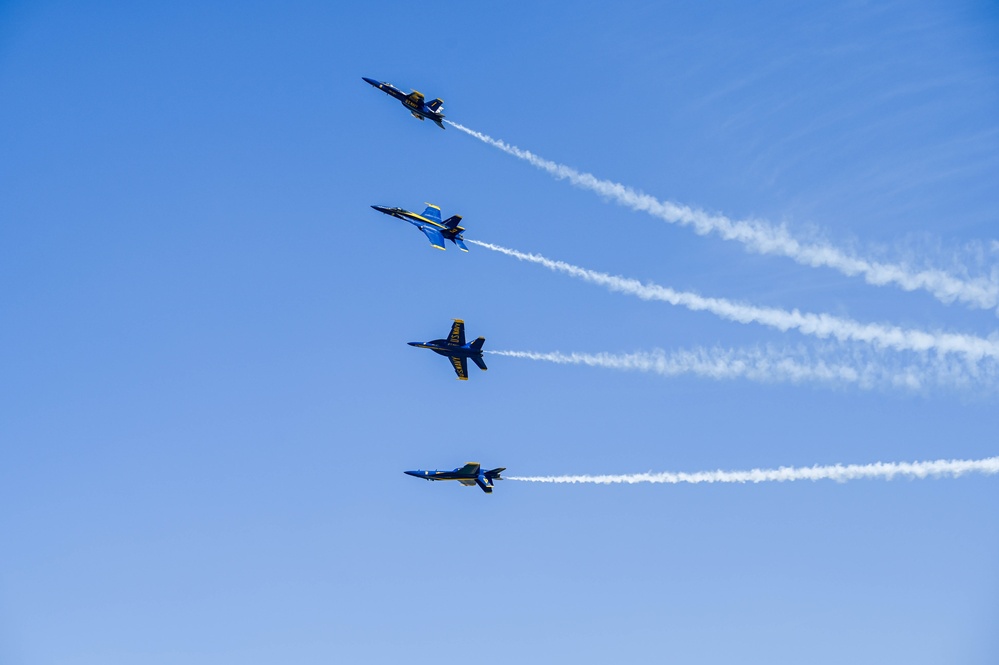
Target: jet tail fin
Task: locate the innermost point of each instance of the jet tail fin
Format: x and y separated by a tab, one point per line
452	221
485	481
477	344
435	105
478	361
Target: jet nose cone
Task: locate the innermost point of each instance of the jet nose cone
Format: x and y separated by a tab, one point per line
413	344
416	474
371	81
380	208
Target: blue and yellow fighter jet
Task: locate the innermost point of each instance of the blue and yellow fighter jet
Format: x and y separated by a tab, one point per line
413	102
431	225
468	475
456	350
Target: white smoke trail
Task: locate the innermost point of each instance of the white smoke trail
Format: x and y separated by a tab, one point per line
818	325
838	472
767	365
786	366
765	238
753	364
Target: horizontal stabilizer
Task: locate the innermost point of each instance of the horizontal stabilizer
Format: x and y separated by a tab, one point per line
478	361
460	244
477	344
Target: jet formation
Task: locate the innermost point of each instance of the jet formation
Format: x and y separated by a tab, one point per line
413	102
468	475
437	231
431	225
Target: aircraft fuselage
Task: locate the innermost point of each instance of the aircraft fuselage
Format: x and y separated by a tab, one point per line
413	218
456	349
442	347
470	474
413	102
436	229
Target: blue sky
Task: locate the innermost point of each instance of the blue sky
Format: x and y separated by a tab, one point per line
208	401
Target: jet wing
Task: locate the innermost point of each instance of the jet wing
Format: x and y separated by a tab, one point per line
460	367
457	335
470	468
433	213
467	482
434	236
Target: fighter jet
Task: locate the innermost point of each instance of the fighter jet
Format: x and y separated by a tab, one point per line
413	102
470	474
456	350
431	225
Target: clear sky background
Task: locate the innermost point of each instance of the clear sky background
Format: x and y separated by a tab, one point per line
207	402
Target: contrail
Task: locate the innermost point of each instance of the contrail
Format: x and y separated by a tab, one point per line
765	238
838	472
773	366
818	325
